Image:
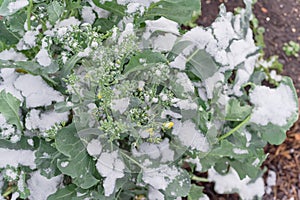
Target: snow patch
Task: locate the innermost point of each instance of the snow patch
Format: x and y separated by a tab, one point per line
94	147
271	105
190	136
111	167
36	91
41	187
17	157
231	183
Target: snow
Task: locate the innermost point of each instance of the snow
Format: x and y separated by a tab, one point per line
17	5
9	76
195	161
212	82
17	157
64	164
240	151
88	15
154	194
120	104
164	42
72	21
272	105
170	113
40	187
111	167
190	136
43	58
183	80
11	54
94	147
145	3
30	37
36	91
231	183
162	24
161	177
12	174
223	30
179	62
155	151
35	119
186	104
127	32
271	181
6	130
199	36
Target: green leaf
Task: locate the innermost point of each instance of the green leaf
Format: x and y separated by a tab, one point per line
65	193
78	164
201	64
54	11
150	57
16	22
30	67
273	134
111	6
196	192
69	65
105	24
9	108
180	186
46	159
235	111
7	36
20	145
181	11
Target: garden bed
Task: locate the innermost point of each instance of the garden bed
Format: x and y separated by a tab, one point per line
281	20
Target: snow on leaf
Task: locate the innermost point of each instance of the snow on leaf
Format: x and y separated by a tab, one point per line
231	182
269	106
36	91
41	187
111	167
9	7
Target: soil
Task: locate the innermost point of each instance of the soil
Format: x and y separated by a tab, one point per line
281	20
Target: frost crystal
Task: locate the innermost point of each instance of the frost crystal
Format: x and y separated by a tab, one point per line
269	106
111	167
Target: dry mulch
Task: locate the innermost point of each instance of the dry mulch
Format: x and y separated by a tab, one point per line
281	20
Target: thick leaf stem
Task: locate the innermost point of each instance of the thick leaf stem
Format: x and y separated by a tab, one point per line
132	160
199	179
234	129
29	10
